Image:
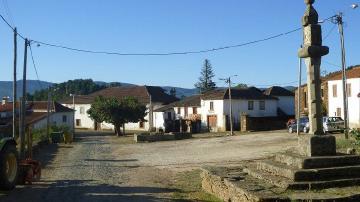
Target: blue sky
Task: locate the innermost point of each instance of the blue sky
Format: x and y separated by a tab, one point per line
133	26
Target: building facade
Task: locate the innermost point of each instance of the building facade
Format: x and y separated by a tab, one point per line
151	96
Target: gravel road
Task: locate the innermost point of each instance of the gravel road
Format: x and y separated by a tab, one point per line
100	167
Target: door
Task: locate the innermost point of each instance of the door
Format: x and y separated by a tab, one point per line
212	122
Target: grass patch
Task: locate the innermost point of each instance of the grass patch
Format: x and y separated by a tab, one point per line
343	144
189	185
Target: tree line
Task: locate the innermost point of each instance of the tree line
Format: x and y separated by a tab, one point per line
63	90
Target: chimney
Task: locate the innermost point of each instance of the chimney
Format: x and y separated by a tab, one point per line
5	100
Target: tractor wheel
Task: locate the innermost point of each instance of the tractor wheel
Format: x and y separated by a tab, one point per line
8	167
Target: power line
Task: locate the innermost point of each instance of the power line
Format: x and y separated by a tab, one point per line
34	65
170	53
155	54
8	11
11	27
330	32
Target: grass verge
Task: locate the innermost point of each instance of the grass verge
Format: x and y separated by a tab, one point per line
188	184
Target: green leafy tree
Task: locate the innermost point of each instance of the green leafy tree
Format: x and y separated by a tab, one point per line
241	85
205	82
111	110
63	90
173	92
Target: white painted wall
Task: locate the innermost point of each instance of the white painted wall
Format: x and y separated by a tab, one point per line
218	111
353	101
222	108
287	104
81	113
88	123
57	119
182	111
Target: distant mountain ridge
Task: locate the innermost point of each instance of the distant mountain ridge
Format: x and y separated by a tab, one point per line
6	87
34	85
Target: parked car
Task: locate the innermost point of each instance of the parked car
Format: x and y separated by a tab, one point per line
330	124
303	121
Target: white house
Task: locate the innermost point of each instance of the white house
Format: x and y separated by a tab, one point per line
215	107
36	114
59	115
286	99
335	96
150	96
185	109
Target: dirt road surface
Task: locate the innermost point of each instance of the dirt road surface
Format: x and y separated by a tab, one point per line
101	167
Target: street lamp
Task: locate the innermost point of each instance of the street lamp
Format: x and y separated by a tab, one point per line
338	19
228	81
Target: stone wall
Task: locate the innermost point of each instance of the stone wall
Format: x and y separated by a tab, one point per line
263	123
303	90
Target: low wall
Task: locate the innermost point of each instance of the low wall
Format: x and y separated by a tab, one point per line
263	123
154	137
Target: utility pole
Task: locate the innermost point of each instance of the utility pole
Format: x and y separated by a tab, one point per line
299	98
338	19
48	113
231	113
14	84
150	115
228	81
23	107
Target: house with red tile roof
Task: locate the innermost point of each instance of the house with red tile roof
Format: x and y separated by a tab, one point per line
335	96
36	114
151	96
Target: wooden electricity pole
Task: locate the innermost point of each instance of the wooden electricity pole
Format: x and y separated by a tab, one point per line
14	84
23	106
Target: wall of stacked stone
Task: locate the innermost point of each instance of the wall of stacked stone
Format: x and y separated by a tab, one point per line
303	90
263	123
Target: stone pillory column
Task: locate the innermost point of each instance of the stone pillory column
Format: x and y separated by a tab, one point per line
315	144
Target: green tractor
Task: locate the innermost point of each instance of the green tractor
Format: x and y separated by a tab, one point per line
9	167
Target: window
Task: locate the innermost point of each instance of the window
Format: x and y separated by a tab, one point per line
78	122
348	89
305	100
141	124
82	110
194	110
64	118
338	112
322	92
185	111
262	105
211	106
178	110
250	105
334	88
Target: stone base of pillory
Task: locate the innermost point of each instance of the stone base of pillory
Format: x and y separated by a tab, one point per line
287	176
317	145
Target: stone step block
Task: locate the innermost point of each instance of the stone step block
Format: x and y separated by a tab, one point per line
301	162
301	175
285	183
278	181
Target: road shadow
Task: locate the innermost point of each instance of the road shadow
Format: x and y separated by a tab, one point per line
46	153
86	190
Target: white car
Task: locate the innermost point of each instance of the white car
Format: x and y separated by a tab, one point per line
330	124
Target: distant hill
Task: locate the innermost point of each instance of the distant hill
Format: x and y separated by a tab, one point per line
290	88
31	87
180	92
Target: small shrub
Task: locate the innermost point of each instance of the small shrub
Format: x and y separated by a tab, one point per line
355	133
